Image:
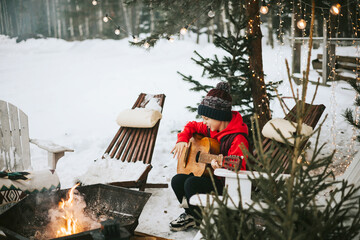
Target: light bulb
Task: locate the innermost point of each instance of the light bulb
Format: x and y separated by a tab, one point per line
117	31
264	9
94	2
335	9
211	14
171	39
183	31
146	45
106	18
301	24
135	39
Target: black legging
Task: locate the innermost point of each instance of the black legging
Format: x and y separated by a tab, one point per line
189	185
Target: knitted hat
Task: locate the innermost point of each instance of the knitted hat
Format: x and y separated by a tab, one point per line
217	103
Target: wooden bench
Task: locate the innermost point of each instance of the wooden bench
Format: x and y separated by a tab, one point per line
345	67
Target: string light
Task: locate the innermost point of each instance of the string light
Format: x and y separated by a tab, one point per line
170	39
335	9
117	31
135	39
106	18
301	24
146	45
183	31
264	9
211	13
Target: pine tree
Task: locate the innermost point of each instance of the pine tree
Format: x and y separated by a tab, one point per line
233	67
349	113
288	208
292	206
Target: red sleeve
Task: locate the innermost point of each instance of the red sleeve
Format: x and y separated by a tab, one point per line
191	128
236	150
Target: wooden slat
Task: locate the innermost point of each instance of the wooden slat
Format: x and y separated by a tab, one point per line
137	151
152	141
112	143
146	146
142	146
131	150
15	136
24	135
122	133
124	143
6	136
347	59
130	144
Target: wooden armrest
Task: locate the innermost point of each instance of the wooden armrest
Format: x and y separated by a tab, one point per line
204	199
222	172
55	152
50	146
241	179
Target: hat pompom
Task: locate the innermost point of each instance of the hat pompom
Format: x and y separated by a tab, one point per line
223	86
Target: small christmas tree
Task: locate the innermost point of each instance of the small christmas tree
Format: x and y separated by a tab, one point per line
349	113
306	204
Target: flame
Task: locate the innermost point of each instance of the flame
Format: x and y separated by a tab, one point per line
70	222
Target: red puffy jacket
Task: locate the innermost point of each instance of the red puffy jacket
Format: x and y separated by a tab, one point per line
236	125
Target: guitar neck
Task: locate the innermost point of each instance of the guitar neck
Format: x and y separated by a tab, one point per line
207	158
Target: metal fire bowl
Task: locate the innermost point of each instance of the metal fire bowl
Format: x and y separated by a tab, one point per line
22	220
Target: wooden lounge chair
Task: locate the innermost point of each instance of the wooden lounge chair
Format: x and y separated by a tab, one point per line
280	153
15	156
136	144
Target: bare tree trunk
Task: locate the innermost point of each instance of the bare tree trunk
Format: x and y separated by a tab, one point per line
316	44
152	19
137	19
270	28
225	23
126	16
8	24
100	21
48	17
208	32
81	32
197	32
212	31
87	31
258	88
296	56
2	26
54	21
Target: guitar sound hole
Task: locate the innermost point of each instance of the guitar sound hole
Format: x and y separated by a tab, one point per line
197	156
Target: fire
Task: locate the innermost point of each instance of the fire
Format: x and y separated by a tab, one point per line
70	222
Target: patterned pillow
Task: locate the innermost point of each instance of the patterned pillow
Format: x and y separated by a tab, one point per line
13	190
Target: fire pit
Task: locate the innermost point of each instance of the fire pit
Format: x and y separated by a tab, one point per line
114	204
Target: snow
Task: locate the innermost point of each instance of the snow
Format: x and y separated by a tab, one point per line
73	91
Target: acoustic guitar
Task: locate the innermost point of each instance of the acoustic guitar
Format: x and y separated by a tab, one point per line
200	152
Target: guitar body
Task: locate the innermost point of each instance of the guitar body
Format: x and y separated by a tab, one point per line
188	163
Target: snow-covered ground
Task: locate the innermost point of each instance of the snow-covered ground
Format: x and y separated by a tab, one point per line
73	91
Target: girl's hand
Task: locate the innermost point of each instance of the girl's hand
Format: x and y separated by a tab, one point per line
177	150
214	164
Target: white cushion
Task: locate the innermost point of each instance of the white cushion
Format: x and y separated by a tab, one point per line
138	118
287	129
